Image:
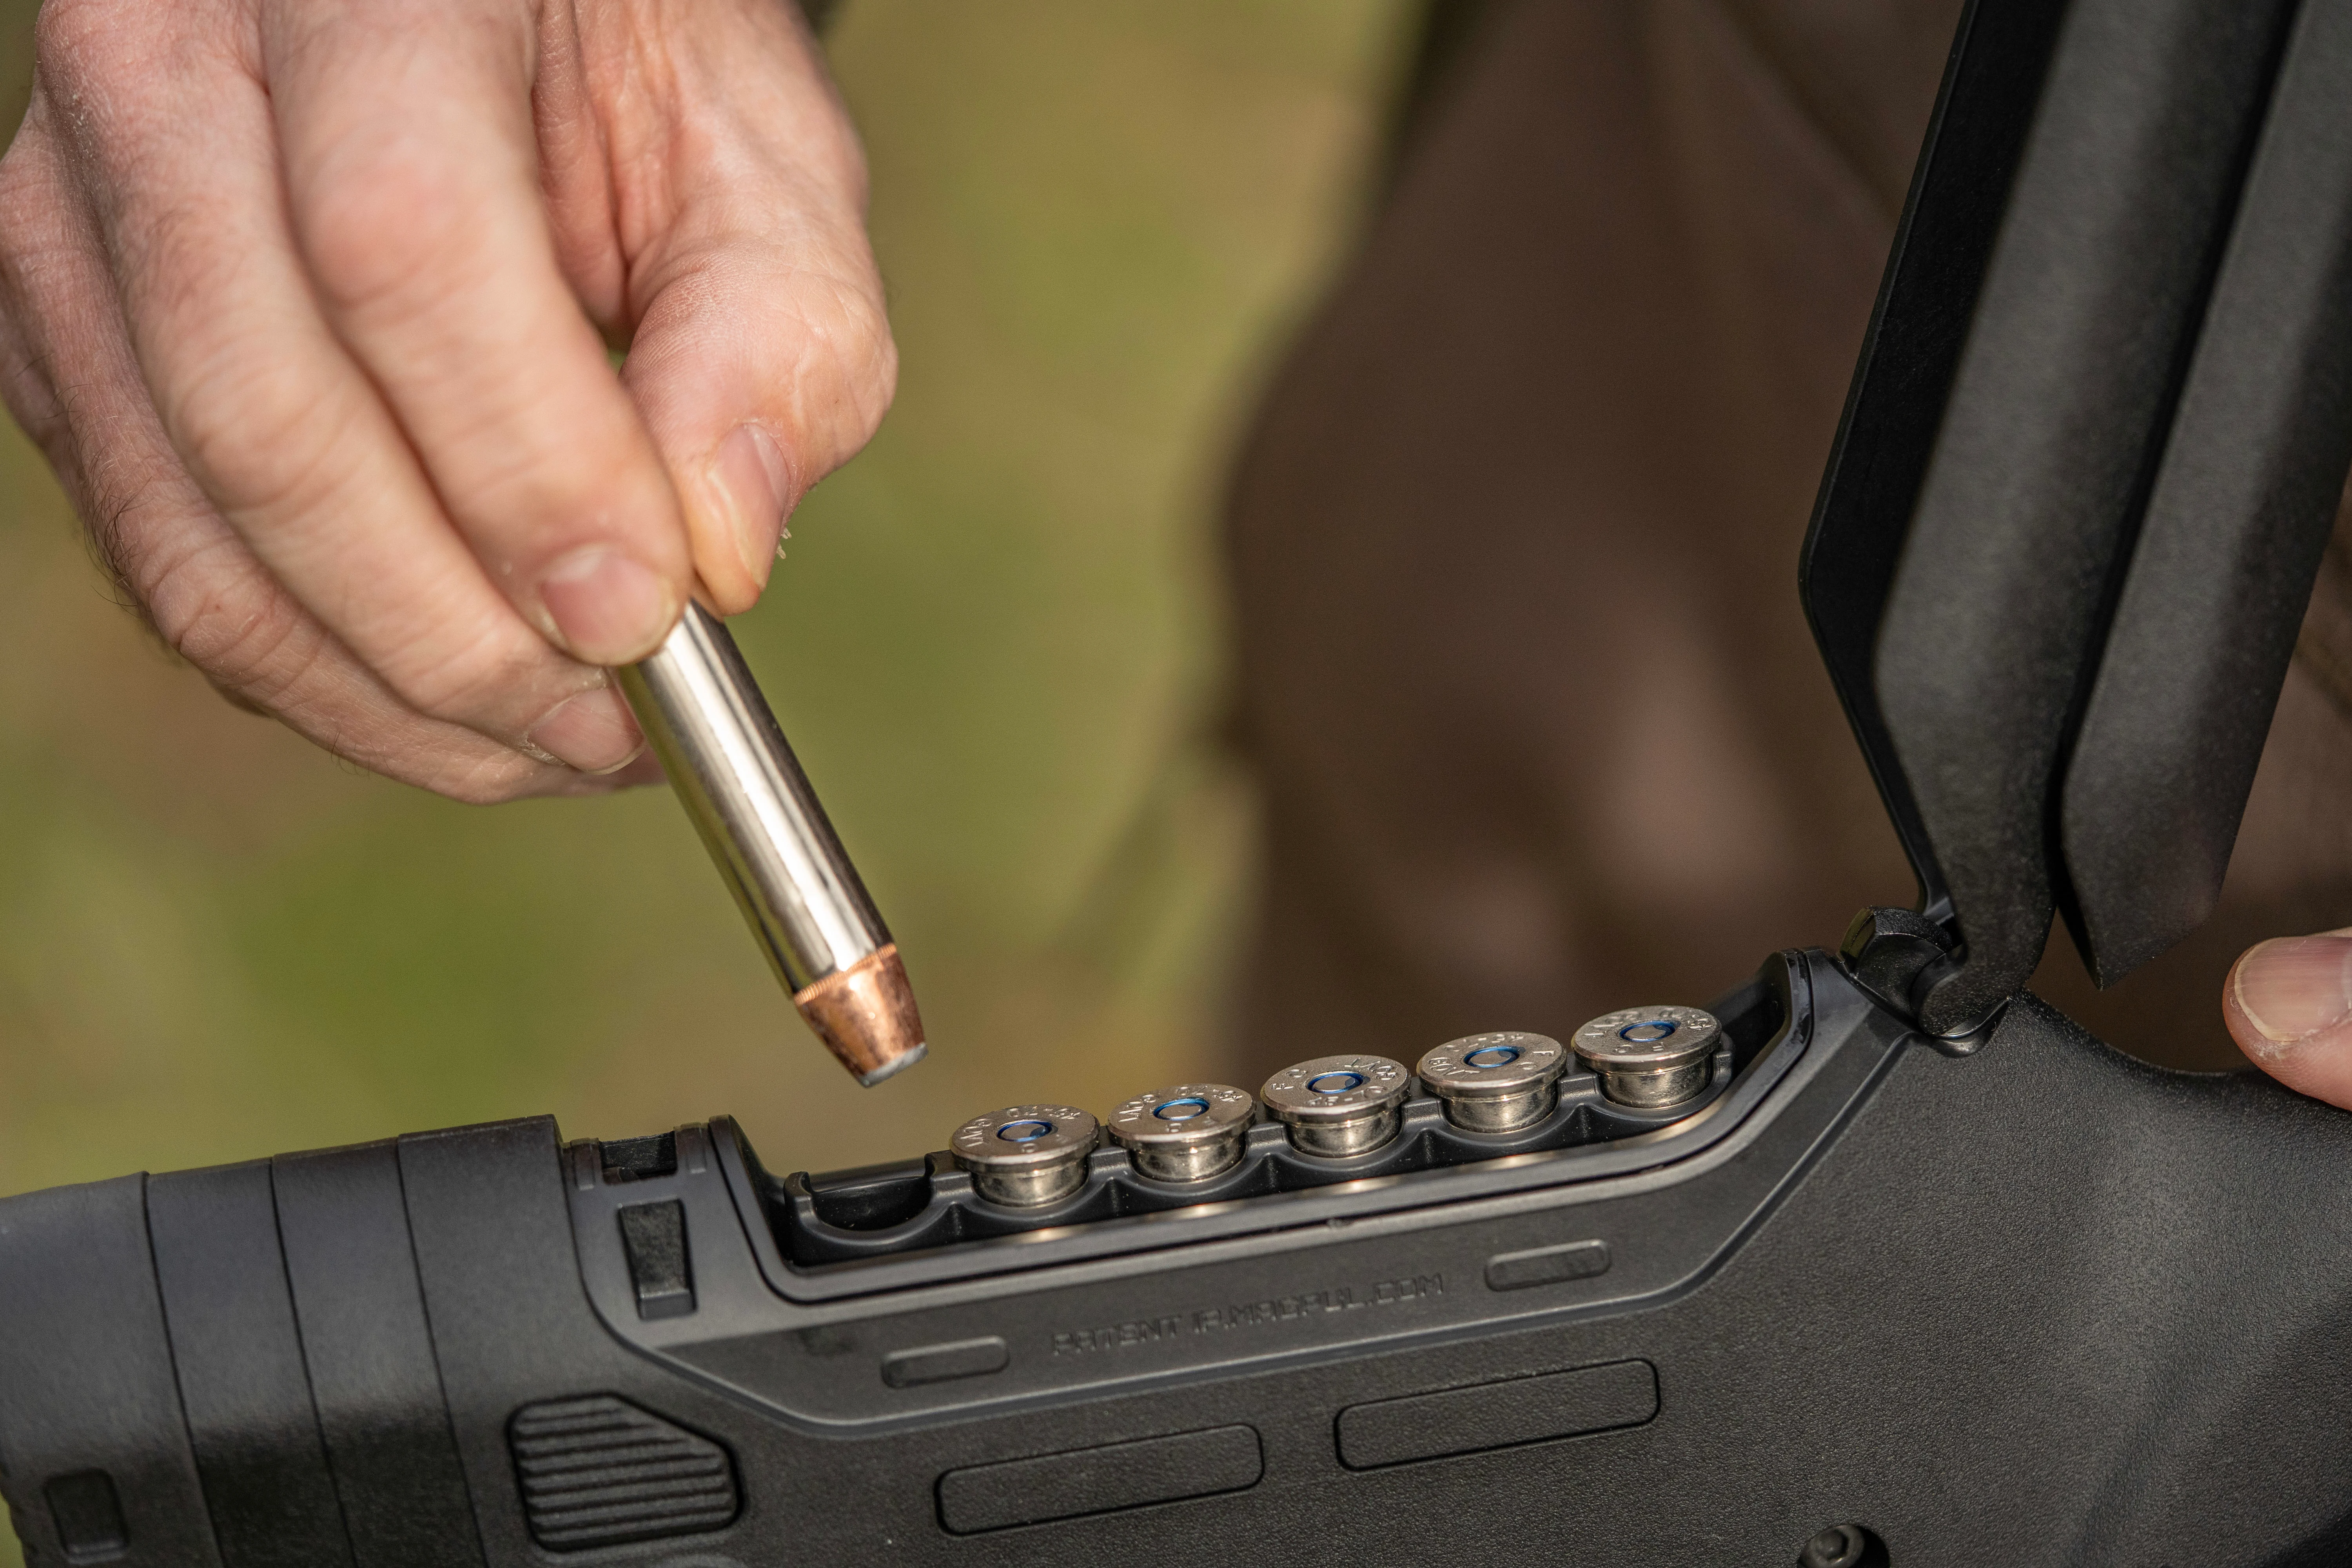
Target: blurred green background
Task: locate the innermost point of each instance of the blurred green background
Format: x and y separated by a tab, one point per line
995	644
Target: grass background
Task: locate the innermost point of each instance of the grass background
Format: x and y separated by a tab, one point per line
994	645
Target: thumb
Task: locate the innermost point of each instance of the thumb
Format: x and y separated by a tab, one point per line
2288	1002
762	358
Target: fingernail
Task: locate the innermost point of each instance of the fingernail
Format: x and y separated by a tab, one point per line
608	607
751	480
593	733
2294	986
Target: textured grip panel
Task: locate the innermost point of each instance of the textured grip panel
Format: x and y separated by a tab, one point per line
599	1471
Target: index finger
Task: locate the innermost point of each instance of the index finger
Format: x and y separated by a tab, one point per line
412	180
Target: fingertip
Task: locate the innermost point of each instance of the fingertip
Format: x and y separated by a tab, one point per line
2288	1003
637	773
2291	988
592	731
605	606
750	488
642	769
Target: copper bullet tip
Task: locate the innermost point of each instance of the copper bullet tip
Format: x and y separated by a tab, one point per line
866	1015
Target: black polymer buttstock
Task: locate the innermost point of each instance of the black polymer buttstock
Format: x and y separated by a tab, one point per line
1993	1306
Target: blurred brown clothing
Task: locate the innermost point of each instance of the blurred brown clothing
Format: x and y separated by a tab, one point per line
1540	727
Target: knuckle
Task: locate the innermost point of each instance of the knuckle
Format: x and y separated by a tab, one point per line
382	235
83	48
876	356
38	289
533	472
233	622
853	361
257	430
472	675
248	418
29	390
127	509
68	35
179	257
21	196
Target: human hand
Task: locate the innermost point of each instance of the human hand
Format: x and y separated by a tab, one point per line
2288	1002
308	302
